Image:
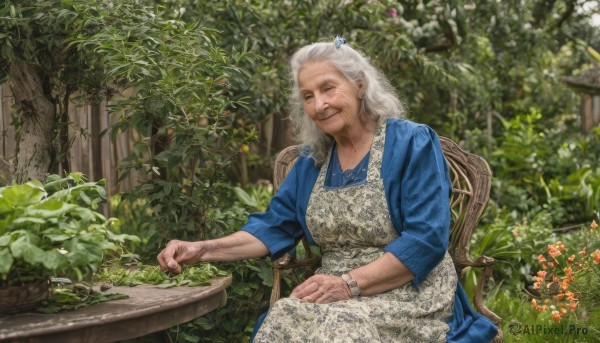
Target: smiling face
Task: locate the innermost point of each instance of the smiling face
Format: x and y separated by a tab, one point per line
329	98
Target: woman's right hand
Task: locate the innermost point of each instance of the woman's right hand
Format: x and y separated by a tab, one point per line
237	246
178	252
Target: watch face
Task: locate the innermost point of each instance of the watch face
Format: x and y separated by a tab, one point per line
352	285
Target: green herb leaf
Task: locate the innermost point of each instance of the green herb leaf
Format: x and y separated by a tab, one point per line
6	260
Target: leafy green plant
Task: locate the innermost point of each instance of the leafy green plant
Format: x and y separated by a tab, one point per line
135	217
545	168
256	198
53	229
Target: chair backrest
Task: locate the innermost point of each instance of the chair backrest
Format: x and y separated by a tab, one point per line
471	180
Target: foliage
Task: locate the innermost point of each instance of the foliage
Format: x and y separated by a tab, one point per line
454	62
136	217
512	245
53	229
545	168
278	29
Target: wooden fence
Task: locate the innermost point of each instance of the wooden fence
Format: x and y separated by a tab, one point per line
95	156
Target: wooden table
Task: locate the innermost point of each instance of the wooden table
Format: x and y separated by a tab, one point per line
148	309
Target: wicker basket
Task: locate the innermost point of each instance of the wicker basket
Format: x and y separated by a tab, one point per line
21	298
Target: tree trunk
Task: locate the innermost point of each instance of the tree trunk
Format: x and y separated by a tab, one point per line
36	123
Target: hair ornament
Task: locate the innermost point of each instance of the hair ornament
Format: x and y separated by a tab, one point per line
339	41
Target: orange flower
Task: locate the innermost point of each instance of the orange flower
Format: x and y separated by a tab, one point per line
573	305
553	251
543	308
571	259
568	271
593	225
541	258
541	274
564	285
596	256
550	264
534	304
560	296
570	295
536	285
556	316
560	246
583	251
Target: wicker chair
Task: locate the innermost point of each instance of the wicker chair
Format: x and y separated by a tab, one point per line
471	180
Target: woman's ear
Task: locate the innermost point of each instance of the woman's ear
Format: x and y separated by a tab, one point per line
360	84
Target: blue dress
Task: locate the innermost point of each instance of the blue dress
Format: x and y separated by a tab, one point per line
416	183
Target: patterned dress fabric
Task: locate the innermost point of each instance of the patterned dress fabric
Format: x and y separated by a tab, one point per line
352	226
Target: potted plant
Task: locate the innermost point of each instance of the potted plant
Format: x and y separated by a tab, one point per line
50	229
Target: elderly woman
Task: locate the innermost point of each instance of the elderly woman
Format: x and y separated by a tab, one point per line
371	190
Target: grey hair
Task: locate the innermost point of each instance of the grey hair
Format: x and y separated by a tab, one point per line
379	100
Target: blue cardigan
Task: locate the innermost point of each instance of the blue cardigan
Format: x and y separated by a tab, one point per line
417	186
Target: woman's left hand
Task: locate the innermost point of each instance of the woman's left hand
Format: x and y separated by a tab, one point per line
322	289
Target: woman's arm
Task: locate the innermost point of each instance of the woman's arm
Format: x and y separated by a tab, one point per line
383	274
237	246
273	232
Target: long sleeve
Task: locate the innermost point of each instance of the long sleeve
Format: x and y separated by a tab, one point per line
284	223
417	186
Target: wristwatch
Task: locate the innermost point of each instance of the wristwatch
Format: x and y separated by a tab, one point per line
352	285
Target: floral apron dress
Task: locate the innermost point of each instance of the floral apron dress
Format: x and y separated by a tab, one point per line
352	226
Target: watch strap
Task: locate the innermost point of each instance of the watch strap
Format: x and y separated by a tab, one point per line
352	285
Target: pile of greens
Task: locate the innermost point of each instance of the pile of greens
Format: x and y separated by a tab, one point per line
139	274
73	296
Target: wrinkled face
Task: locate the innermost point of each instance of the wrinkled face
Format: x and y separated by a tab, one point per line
329	98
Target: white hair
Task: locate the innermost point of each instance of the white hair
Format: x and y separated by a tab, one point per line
379	100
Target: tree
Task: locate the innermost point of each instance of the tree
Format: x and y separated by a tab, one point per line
35	55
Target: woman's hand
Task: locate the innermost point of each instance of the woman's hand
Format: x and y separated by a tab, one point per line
237	246
178	252
322	289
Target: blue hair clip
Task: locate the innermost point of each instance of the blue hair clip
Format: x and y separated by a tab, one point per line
339	41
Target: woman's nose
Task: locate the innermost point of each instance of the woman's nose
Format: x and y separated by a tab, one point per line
320	103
